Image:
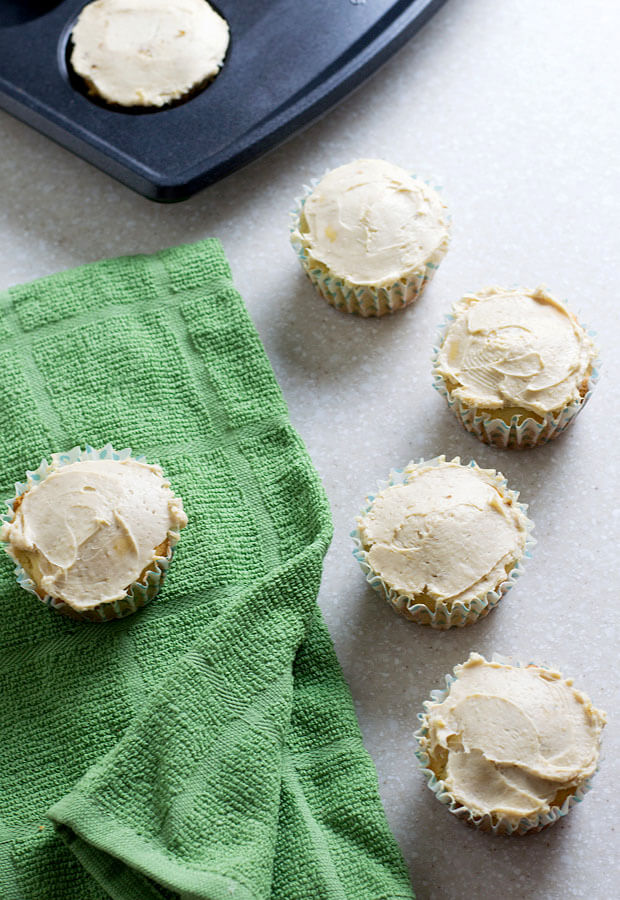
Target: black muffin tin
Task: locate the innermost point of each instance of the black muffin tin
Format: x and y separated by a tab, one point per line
288	62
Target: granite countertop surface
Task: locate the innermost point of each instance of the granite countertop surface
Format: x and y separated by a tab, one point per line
508	106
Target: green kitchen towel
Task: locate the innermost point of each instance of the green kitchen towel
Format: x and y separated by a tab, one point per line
206	747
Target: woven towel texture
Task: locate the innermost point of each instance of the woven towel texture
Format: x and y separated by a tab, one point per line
205	747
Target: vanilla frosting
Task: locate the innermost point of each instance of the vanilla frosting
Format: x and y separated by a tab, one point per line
515	348
450	533
88	530
511	742
148	52
369	222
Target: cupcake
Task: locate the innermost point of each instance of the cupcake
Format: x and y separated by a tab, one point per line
93	533
443	541
515	366
148	53
509	748
370	236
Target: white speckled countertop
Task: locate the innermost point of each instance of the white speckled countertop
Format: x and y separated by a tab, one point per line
510	107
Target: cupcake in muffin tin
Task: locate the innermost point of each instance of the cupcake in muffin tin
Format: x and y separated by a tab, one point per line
132	53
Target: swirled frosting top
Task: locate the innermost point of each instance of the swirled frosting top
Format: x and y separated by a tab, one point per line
370	222
88	530
509	741
515	348
148	52
450	533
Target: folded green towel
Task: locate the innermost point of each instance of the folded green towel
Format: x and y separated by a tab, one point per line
205	747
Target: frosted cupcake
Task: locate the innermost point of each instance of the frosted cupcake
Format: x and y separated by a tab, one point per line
370	236
515	366
509	749
148	53
443	541
93	533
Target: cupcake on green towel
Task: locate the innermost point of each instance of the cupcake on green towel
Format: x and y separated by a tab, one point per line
93	532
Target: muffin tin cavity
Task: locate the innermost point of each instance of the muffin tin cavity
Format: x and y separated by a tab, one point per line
16	12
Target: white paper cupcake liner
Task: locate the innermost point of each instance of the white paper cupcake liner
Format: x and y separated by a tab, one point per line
486	822
363	300
442	616
140	592
518	435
